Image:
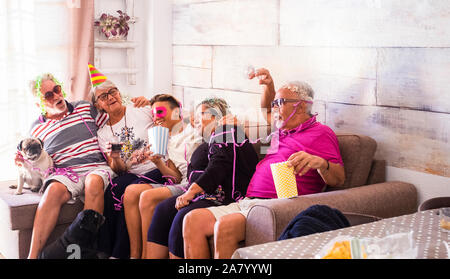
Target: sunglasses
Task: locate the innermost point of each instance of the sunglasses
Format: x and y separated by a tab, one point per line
281	101
49	94
104	97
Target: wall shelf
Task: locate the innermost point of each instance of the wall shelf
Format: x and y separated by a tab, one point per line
129	45
115	44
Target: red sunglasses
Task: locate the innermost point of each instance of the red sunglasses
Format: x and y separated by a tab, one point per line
49	94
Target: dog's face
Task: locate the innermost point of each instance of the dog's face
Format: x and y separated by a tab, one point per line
31	148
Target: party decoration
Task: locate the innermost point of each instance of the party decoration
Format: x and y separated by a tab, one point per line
159	112
97	78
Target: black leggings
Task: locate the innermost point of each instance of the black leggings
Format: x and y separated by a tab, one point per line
113	235
167	224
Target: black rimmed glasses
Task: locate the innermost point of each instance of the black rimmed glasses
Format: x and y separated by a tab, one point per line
111	92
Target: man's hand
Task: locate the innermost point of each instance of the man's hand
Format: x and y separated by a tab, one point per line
156	159
265	79
303	162
263	75
140	102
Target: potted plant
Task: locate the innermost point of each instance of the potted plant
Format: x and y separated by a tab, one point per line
114	28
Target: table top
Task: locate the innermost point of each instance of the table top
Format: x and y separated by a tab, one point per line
427	234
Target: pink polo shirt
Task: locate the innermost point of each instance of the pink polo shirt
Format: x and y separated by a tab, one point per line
311	137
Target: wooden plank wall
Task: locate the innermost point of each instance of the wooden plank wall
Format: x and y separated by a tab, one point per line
379	68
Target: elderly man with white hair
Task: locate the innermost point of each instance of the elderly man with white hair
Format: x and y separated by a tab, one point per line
310	147
69	133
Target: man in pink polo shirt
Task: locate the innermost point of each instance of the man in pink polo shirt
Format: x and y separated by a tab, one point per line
309	146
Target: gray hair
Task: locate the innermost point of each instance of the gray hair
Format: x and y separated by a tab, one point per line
217	106
33	83
303	90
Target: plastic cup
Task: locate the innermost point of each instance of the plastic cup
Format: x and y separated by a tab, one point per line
158	138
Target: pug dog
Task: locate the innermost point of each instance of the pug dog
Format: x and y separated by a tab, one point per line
36	163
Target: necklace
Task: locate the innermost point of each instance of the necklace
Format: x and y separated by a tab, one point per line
126	128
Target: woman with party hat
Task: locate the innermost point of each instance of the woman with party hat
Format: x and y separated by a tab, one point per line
124	140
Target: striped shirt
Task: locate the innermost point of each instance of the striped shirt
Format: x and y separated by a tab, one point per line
68	140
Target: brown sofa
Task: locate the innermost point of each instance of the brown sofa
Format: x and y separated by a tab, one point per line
364	191
16	220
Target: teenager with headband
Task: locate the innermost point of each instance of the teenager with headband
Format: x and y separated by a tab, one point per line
141	199
219	173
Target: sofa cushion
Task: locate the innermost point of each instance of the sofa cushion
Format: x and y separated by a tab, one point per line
357	153
18	210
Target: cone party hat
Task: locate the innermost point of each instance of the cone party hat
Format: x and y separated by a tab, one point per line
97	78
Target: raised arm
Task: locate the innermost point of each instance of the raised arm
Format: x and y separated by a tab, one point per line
265	79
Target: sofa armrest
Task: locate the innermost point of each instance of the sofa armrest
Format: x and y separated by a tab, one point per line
267	219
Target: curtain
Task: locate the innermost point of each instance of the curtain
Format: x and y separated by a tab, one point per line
81	47
18	60
36	37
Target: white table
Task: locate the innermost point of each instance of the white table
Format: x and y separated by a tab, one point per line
427	234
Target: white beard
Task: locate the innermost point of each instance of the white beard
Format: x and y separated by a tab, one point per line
278	122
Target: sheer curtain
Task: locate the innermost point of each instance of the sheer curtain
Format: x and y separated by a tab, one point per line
35	38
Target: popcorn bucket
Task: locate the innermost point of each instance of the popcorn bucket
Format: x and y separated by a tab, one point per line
284	179
158	137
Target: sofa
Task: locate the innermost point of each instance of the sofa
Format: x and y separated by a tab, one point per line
364	191
17	216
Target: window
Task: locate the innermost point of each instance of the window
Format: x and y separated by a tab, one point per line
34	40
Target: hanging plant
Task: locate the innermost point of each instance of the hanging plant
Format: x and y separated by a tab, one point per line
113	27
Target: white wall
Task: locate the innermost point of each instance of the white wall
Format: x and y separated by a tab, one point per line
379	68
154	52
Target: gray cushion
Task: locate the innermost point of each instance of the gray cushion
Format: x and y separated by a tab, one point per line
18	210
